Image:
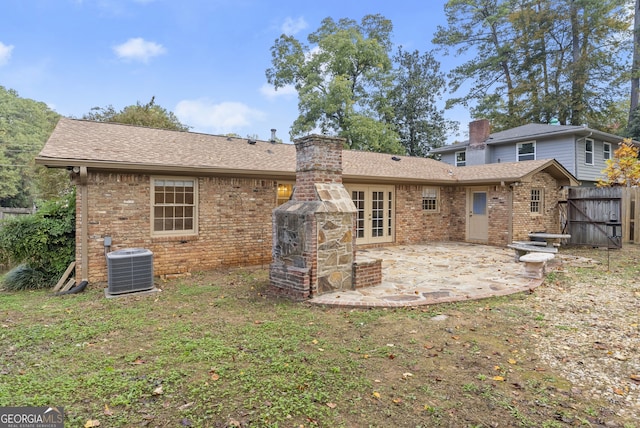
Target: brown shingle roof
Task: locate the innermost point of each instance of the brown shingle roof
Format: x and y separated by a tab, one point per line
124	147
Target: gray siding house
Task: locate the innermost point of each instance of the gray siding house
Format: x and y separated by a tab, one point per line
581	150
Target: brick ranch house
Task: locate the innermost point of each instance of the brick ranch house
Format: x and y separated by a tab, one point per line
201	202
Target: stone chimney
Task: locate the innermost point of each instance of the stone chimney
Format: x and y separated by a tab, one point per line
477	153
313	233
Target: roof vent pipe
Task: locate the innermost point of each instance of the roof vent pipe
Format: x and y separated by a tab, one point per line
273	135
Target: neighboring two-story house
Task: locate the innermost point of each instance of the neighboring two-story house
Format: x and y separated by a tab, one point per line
581	150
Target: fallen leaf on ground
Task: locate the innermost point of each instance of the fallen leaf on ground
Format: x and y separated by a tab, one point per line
332	405
498	378
186	406
91	423
107	411
158	391
376	394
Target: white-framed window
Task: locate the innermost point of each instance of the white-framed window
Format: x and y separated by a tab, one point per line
285	190
606	151
526	151
537	199
430	199
588	151
174	206
461	158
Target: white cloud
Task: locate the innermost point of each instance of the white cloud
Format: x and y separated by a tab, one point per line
221	118
5	53
138	49
292	26
270	92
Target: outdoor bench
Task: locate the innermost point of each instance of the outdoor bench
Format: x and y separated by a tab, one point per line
535	263
523	249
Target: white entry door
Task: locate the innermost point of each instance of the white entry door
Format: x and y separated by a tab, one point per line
375	213
477	217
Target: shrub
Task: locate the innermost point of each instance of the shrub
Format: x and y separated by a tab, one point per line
44	243
22	277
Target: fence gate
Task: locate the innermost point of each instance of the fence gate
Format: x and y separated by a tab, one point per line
589	211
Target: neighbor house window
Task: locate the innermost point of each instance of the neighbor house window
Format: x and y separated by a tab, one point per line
526	151
536	201
284	193
174	206
606	151
461	158
430	196
588	151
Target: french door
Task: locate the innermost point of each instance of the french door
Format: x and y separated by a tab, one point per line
375	213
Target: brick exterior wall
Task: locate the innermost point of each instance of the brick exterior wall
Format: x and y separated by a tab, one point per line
234	224
525	221
415	225
499	210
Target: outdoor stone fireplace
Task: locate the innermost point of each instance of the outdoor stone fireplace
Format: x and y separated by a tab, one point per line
313	233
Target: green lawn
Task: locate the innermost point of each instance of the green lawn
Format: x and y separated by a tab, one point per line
214	350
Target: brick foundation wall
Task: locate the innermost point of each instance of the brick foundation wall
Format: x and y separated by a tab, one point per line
234	224
289	281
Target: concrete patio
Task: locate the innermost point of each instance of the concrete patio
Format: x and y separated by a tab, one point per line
439	272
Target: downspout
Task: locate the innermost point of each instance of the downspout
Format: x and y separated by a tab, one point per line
84	227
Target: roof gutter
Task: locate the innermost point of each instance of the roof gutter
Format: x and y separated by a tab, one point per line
151	168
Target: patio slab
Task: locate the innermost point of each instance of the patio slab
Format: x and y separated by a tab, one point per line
415	275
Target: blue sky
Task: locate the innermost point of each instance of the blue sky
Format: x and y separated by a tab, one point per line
205	60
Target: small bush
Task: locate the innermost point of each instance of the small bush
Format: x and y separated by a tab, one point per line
23	277
44	243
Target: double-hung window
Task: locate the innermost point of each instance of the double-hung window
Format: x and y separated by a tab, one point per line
588	151
606	151
526	151
430	196
461	158
174	206
536	201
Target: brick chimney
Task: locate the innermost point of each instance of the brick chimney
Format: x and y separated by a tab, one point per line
313	233
477	153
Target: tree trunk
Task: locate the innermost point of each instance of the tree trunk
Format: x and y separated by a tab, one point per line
576	75
635	69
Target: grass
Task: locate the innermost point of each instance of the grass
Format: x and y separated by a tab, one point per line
215	350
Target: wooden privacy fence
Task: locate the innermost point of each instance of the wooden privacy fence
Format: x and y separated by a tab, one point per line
631	214
591	212
9	212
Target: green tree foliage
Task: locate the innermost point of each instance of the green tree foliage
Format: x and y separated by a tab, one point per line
25	126
150	115
534	60
43	242
339	78
418	85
